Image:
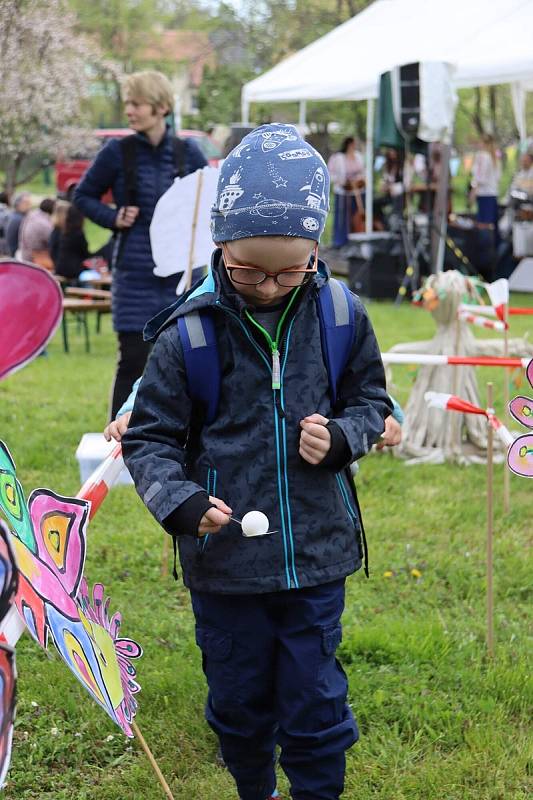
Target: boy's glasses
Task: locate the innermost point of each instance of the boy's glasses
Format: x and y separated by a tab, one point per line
288	277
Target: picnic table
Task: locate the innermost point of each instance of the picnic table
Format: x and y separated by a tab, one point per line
80	308
103	281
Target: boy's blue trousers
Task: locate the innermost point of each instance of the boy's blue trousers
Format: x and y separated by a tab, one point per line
273	679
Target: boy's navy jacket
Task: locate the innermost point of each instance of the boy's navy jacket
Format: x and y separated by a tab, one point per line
138	294
248	456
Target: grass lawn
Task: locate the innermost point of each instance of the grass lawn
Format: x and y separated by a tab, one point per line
438	721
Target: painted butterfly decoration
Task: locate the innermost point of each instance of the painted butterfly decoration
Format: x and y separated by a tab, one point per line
520	456
48	537
31	308
8	673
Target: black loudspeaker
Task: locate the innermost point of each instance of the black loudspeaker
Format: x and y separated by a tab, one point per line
376	265
474	241
408	89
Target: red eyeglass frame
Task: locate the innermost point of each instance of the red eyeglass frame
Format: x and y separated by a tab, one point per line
273	275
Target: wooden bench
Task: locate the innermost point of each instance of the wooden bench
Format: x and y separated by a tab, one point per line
88	293
80	308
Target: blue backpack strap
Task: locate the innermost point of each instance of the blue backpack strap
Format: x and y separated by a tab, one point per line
202	364
337	329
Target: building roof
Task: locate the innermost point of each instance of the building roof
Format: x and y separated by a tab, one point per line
190	47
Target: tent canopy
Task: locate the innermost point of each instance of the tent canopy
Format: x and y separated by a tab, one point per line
488	41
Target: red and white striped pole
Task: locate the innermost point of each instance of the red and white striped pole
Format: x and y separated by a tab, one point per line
431	359
450	402
98	484
480	321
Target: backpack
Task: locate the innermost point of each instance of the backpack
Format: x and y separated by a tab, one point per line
128	147
202	364
200	350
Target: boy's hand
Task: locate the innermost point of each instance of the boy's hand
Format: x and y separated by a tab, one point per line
392	434
118	427
214	519
315	439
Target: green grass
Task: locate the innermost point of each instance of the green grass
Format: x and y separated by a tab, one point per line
438	720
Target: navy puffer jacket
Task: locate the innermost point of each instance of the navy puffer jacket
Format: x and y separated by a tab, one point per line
137	294
248	456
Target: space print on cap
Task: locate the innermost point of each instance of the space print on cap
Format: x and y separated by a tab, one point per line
272	184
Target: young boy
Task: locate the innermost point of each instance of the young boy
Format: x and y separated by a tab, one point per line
267	608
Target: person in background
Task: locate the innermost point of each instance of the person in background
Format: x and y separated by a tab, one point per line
68	245
137	294
347	173
486	174
35	234
391	197
519	210
21	206
523	178
5	214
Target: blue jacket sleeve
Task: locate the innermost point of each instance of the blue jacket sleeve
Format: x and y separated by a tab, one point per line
128	404
363	397
154	444
100	177
397	411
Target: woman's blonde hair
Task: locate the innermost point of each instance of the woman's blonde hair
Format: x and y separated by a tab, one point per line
150	87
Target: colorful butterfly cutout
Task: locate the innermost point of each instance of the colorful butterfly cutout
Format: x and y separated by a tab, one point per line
520	456
31	307
8	672
49	544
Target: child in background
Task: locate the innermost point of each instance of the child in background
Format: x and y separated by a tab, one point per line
267	608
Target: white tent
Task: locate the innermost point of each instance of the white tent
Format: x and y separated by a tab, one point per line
488	41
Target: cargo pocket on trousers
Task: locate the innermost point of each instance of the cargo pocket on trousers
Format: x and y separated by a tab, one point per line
216	647
331	639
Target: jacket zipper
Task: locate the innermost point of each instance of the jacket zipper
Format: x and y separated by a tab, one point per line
279	417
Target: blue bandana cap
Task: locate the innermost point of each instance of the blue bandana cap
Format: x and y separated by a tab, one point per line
272	184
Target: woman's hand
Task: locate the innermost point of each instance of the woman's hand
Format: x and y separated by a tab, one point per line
126	216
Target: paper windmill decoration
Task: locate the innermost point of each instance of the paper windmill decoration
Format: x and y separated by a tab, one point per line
49	544
520	456
8	674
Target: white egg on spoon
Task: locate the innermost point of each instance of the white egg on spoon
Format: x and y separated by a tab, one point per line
254	523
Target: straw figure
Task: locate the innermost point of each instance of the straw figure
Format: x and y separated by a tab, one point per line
429	435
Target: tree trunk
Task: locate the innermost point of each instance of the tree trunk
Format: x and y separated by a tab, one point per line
477	116
492	106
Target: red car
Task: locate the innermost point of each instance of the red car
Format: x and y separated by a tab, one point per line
70	172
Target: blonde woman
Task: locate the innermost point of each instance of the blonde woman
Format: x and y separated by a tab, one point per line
138	169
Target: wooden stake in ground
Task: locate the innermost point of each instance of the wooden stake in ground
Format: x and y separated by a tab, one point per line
153	762
506	376
164	557
194	225
490	524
